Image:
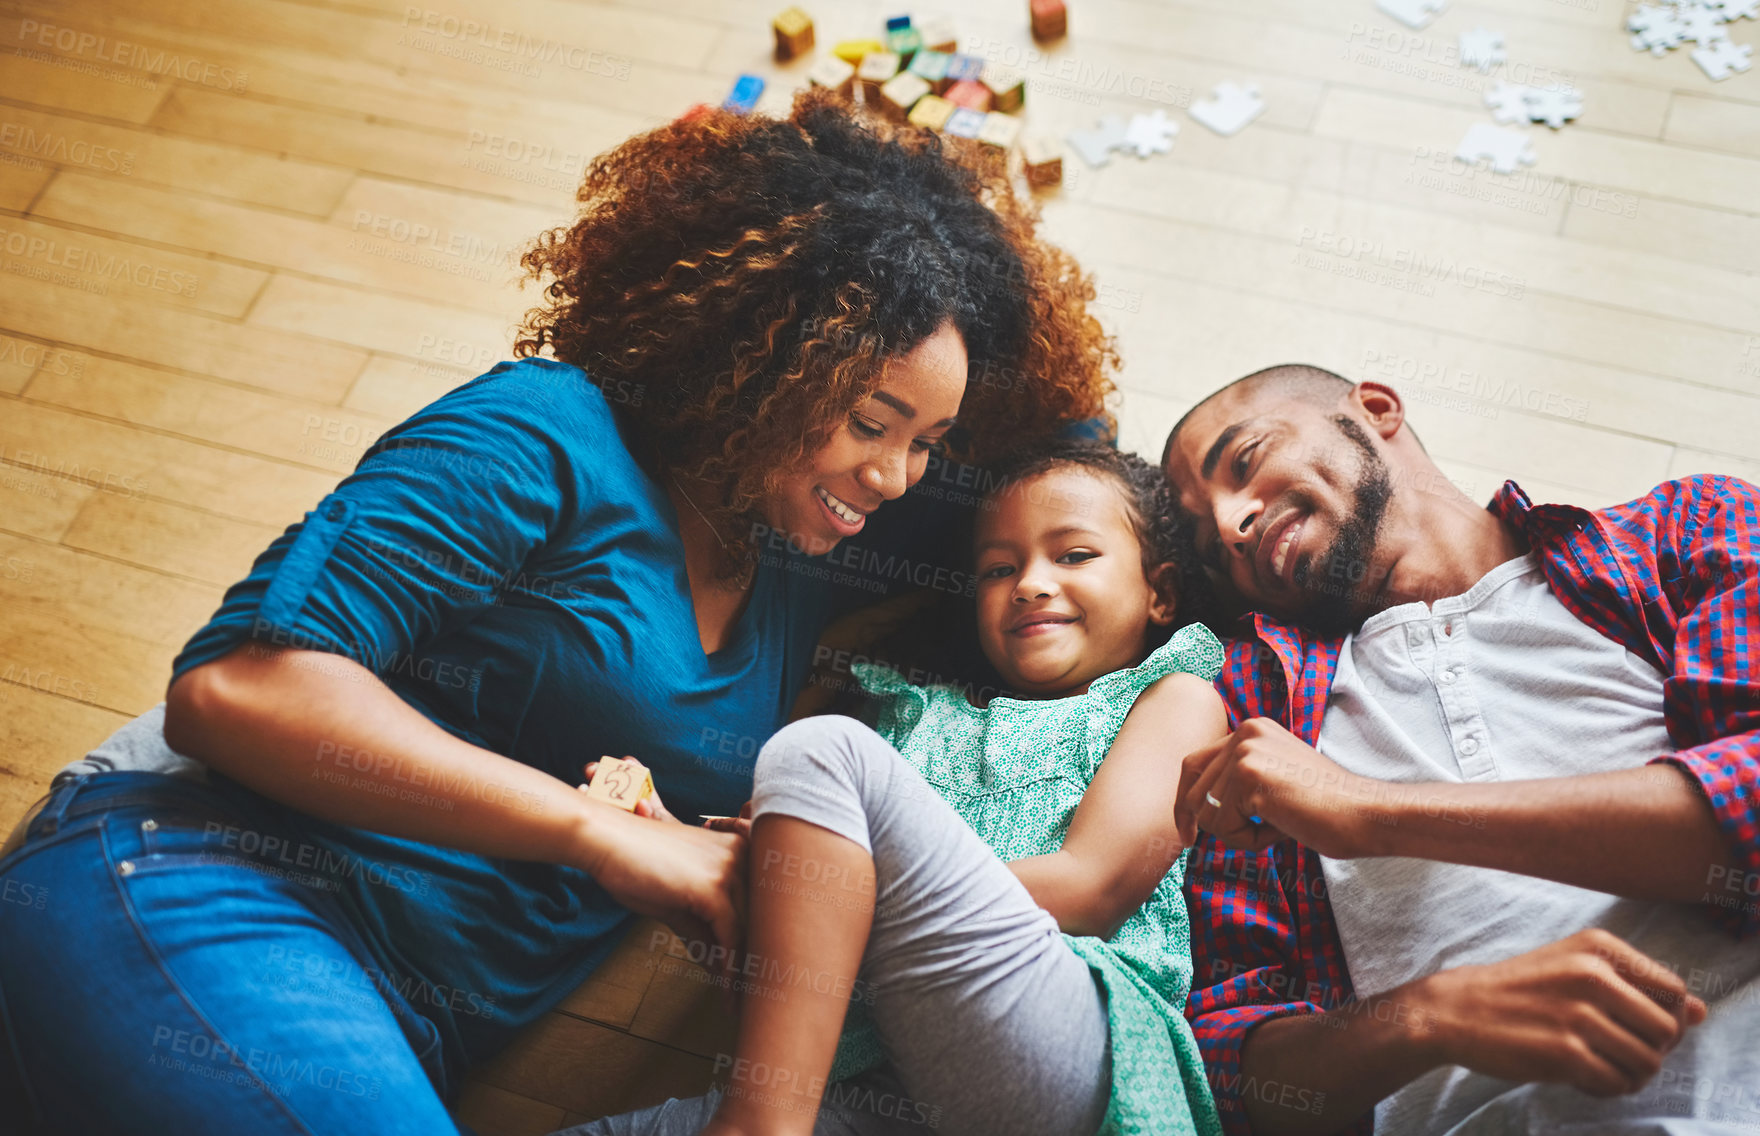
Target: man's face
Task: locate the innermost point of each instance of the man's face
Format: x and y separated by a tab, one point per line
1286	501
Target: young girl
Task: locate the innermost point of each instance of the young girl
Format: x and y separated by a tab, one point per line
995	890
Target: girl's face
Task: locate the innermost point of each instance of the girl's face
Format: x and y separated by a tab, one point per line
880	452
1062	596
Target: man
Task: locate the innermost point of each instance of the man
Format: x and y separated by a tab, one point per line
1486	841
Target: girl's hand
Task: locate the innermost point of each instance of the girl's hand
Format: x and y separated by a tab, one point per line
691	879
650	806
741	824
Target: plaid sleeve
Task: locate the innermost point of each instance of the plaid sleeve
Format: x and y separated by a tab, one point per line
1712	579
1265	947
1264	943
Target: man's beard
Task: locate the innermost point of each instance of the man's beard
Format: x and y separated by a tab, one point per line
1336	577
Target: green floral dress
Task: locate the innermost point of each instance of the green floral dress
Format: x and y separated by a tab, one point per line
1016	772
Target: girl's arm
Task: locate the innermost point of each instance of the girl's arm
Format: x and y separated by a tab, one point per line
1122	841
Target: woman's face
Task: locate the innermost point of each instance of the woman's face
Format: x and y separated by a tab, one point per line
880	452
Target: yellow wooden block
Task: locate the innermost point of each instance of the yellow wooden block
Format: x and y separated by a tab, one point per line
621	783
932	112
853	51
794	34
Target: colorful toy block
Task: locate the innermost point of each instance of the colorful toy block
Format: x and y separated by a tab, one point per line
900	94
970	94
853	51
874	73
621	783
904	42
938	35
1044	161
897	23
1050	19
965	122
834	74
931	67
931	112
747	89
963	67
1008	87
1000	130
794	34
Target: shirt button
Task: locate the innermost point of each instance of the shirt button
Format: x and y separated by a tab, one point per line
149	826
1469	747
1446	676
335	511
126	867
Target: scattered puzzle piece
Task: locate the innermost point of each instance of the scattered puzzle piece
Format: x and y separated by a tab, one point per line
1657	29
1733	10
1553	106
1722	59
1150	133
1481	49
1501	146
1096	145
794	34
1702	25
1508	102
1044	161
1229	108
1412	13
621	783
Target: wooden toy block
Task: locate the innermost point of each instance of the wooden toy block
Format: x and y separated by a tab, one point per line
1000	130
931	112
900	95
794	34
874	73
853	51
1050	19
938	36
1008	87
747	89
965	122
897	23
621	783
834	74
904	42
1044	161
931	67
963	67
970	94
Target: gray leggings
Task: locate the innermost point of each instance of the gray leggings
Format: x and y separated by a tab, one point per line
991	1022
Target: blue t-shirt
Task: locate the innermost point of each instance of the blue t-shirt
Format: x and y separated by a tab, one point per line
505	566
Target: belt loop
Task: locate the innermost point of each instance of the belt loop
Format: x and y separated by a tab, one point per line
48	822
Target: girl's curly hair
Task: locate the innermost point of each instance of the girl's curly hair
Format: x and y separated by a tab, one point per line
740	281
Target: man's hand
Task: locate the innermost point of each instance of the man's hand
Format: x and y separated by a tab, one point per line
1270	784
1587	1011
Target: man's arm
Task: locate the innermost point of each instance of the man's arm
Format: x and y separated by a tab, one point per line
1645	833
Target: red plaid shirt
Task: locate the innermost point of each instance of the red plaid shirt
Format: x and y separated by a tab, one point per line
1674	576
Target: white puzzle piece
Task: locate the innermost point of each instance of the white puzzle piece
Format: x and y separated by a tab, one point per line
1658	29
1553	107
1484	49
1230	107
1723	58
1096	145
1508	101
1503	147
1150	134
1412	13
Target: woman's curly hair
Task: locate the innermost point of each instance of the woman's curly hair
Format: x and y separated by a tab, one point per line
739	282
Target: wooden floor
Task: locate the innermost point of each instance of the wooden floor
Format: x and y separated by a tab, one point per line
241	237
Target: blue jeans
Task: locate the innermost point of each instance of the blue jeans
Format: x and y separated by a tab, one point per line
154	979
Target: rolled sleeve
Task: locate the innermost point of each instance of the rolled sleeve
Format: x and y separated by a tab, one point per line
439	516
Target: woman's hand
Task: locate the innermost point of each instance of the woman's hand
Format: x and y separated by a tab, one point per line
691	879
650	806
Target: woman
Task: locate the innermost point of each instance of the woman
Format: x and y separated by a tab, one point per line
759	332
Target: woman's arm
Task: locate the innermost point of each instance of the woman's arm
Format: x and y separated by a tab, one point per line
323	734
1122	841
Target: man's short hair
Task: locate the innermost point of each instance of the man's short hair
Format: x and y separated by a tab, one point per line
1301	382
